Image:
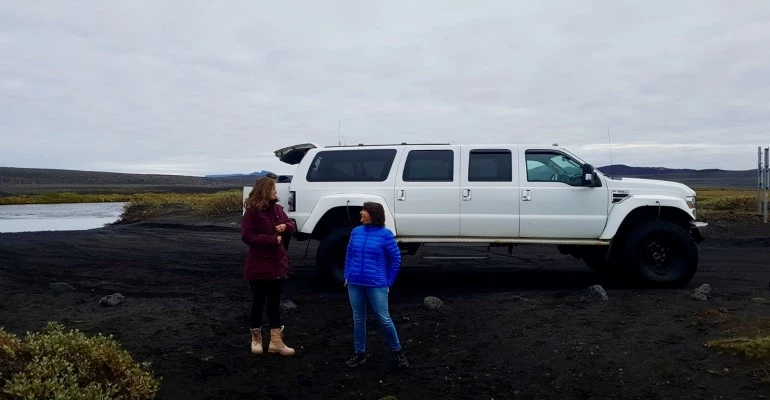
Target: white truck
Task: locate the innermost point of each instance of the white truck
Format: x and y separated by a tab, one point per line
636	230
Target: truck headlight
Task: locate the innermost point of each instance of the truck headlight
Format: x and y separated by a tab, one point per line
692	204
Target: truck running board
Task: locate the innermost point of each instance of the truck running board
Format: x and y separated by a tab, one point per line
491	240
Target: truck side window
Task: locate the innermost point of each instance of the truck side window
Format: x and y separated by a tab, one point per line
351	165
549	166
490	166
429	166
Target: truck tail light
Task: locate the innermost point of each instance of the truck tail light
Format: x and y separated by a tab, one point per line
292	201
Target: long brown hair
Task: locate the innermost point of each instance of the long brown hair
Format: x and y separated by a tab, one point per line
260	195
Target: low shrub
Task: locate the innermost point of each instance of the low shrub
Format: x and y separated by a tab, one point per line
202	204
59	364
222	203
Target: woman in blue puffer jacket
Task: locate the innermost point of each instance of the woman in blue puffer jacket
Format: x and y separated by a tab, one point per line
371	266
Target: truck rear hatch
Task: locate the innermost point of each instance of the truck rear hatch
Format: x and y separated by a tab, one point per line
293	155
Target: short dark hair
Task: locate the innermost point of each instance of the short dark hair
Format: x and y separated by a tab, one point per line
376	211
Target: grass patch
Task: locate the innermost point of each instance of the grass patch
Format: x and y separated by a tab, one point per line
748	338
756	348
753	348
714	204
208	205
141	206
727	200
55	364
66	197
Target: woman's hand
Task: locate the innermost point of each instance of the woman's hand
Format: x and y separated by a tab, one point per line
281	228
278	239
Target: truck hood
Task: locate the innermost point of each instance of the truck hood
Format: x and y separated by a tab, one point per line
636	186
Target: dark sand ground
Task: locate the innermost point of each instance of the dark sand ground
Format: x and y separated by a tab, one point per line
512	327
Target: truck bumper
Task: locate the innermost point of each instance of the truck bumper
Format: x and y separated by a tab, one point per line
699	231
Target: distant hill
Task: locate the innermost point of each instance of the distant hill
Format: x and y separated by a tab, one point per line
15	181
239	176
625	170
703	178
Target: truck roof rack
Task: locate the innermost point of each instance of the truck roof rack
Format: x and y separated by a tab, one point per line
393	144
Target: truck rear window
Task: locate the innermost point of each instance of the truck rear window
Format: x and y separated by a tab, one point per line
351	165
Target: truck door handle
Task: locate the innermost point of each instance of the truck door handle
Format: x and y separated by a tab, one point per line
466	194
526	195
401	195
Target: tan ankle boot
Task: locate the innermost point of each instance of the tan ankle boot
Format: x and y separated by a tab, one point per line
277	345
256	341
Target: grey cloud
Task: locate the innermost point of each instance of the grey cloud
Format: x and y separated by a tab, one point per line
195	87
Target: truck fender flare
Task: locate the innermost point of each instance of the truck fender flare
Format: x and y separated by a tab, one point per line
329	202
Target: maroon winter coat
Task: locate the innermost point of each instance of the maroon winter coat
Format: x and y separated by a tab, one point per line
266	258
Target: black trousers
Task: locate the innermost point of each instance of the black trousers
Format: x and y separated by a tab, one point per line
266	291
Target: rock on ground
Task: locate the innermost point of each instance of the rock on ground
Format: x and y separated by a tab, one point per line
287	305
701	292
112	300
433	303
61	287
597	292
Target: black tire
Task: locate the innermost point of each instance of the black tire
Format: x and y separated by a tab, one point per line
660	253
330	256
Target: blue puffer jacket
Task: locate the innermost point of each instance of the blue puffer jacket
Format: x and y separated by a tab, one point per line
373	257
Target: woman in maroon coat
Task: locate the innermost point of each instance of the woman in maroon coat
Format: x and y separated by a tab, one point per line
263	227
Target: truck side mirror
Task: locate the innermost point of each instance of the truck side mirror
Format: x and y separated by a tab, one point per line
588	175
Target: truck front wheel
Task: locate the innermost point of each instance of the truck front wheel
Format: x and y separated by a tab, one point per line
330	256
660	253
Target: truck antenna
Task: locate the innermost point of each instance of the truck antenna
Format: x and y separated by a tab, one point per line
609	146
339	132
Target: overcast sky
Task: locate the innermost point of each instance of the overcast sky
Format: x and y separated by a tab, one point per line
181	86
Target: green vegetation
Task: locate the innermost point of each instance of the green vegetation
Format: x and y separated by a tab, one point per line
757	348
727	200
205	205
55	364
145	205
712	203
726	204
67	197
744	336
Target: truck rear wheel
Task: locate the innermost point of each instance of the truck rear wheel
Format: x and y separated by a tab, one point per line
660	253
330	256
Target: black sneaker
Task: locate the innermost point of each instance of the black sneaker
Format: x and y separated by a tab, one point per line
357	360
401	361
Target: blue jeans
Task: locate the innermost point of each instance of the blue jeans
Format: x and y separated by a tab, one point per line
378	298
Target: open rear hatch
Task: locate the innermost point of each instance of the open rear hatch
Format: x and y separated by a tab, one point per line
293	155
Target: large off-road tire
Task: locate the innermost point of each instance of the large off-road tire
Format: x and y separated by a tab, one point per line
660	253
330	256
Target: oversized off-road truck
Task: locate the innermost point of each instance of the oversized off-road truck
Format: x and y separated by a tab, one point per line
636	230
